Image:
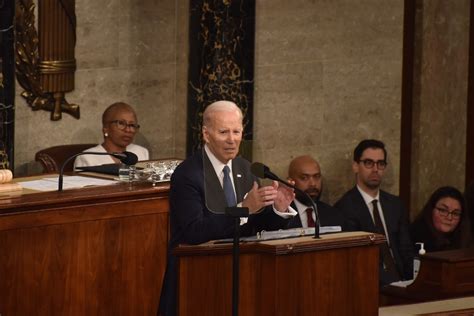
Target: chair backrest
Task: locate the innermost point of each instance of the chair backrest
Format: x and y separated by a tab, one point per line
52	158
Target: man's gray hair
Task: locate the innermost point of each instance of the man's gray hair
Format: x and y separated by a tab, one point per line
219	106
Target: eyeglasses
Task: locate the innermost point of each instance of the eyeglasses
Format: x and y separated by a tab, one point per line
369	163
445	213
122	125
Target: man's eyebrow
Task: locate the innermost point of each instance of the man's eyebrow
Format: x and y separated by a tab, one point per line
310	174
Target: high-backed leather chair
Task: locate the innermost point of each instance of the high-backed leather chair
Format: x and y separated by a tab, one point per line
52	158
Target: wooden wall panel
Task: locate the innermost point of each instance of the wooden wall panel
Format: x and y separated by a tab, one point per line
101	256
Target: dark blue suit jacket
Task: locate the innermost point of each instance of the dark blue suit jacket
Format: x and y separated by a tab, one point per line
358	218
193	193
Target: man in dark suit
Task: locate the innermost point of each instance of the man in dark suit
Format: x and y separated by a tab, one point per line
306	173
206	183
367	208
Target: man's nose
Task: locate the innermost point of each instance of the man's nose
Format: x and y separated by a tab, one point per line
231	138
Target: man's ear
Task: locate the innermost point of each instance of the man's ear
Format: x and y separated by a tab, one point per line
355	167
205	134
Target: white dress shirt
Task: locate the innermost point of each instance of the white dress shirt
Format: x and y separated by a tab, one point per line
302	213
368	200
97	160
218	168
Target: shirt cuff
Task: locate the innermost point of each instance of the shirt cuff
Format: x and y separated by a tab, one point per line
288	214
243	220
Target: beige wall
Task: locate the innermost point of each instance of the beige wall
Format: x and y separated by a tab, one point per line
327	74
134	51
440	97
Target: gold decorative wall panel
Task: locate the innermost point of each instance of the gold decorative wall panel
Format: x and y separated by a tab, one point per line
45	62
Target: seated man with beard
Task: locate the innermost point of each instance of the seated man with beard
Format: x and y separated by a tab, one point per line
306	174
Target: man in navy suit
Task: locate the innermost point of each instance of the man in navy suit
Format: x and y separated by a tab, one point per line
206	183
367	208
306	173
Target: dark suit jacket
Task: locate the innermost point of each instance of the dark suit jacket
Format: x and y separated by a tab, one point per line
192	191
358	218
328	216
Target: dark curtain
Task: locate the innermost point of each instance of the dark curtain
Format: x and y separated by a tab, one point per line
221	63
7	84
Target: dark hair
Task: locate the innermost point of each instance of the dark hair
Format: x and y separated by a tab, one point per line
457	236
368	143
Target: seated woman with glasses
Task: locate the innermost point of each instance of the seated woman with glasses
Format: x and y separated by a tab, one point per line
119	126
443	224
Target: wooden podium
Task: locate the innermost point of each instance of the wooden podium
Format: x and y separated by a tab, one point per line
334	275
442	275
90	251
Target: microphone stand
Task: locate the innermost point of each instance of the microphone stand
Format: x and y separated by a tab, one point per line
61	171
317	222
236	213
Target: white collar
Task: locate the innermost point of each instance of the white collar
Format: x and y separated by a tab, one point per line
368	198
216	163
301	207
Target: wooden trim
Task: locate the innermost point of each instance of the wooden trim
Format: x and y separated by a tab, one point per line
285	246
407	101
469	177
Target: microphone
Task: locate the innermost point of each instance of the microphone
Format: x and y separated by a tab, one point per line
261	171
125	157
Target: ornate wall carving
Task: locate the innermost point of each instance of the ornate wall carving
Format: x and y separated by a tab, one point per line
45	62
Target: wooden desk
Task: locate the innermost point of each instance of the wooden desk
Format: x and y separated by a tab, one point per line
444	274
91	251
457	306
334	275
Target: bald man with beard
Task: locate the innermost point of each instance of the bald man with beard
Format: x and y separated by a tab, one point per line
306	173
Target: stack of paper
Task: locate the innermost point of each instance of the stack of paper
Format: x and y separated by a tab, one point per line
69	182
